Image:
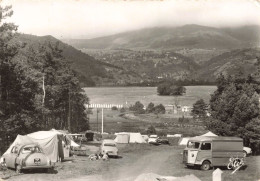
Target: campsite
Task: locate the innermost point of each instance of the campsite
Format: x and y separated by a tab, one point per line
143	90
138	159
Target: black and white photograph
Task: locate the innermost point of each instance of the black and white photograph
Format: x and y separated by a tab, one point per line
130	90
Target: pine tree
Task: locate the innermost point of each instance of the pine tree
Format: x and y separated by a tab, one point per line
199	109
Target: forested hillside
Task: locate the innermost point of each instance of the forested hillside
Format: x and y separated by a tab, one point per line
91	72
38	88
230	63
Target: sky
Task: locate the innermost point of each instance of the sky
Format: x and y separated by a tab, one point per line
66	19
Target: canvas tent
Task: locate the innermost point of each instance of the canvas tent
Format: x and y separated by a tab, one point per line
145	137
183	141
50	142
209	134
136	138
66	142
122	138
174	136
132	137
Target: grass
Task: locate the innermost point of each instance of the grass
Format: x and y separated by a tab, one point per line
164	124
129	95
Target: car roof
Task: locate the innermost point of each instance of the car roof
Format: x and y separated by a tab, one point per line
215	138
109	141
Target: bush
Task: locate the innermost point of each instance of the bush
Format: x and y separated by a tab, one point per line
150	108
170	89
138	108
151	130
114	108
183	120
122	110
160	109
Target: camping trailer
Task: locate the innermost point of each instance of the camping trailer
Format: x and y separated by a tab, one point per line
208	152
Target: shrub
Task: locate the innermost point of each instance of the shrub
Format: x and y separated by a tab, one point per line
170	89
114	108
160	109
151	130
122	110
138	108
150	108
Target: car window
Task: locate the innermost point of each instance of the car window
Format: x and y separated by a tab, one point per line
193	144
14	150
110	144
205	146
31	149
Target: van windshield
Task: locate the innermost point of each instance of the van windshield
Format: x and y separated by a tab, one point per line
193	144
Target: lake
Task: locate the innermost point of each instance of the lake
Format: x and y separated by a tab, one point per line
129	95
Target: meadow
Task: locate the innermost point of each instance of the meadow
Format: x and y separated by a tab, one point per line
164	123
129	95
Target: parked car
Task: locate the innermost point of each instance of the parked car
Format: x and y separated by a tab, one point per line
152	139
247	151
163	141
79	138
109	147
27	156
208	152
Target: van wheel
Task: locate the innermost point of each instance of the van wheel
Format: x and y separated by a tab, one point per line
245	153
205	165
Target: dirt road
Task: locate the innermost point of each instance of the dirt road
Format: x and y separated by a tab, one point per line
136	159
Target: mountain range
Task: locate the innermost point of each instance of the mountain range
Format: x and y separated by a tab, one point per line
188	36
154	54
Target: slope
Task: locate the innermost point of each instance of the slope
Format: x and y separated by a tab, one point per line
232	62
90	71
188	36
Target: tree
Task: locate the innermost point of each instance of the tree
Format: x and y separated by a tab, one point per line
159	109
24	69
170	89
138	108
150	108
199	109
235	108
151	130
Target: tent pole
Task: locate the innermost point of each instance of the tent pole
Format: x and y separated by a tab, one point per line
97	119
102	121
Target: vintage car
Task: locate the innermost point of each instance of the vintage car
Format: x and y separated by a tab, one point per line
247	151
152	139
163	141
27	156
109	147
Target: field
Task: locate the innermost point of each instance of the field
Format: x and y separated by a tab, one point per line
165	123
136	159
129	95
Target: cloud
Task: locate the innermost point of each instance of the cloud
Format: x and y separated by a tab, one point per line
87	18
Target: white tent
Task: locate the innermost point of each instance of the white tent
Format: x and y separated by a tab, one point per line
136	138
184	141
145	137
66	142
50	142
122	138
174	136
72	143
209	134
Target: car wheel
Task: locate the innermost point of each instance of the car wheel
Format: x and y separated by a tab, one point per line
205	165
245	153
18	169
